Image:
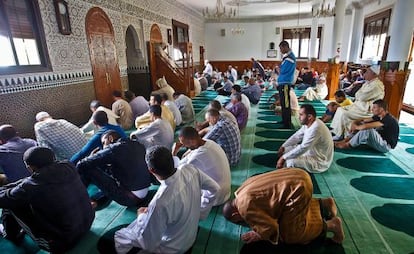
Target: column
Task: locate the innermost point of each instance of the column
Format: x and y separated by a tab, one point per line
357	33
338	27
401	31
314	33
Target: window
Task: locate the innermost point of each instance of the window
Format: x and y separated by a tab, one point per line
22	38
300	42
375	34
180	34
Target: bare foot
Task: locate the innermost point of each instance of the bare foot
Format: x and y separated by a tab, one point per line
342	145
334	225
329	206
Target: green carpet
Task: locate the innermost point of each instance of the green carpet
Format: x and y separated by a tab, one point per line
268	145
385	187
275	134
371	165
270	125
273	118
267	112
395	216
409	139
360	150
410	150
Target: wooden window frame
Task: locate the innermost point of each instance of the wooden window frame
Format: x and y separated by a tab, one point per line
45	65
178	25
287	35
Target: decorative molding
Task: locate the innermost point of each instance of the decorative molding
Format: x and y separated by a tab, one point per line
42	81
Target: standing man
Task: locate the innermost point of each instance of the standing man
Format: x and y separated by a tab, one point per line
379	131
311	147
257	66
285	80
62	137
169	223
279	208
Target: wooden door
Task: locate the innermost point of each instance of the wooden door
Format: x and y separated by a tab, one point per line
102	50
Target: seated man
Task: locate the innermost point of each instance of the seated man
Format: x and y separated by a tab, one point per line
145	119
12	148
118	170
279	208
294	103
52	205
185	105
239	110
379	131
100	119
244	99
204	127
226	88
252	91
319	92
173	108
64	138
207	156
122	109
311	147
159	132
96	106
169	224
164	87
139	104
340	101
224	133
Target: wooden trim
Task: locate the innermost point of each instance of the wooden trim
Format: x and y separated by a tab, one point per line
408	108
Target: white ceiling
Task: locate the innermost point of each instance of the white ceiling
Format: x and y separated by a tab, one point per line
258	8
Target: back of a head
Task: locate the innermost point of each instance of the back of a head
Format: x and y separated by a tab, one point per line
159	158
340	93
164	97
237	88
309	109
156	110
188	132
215	104
39	156
42	116
284	44
157	98
113	133
95	104
129	95
116	93
213	112
100	118
7	132
236	96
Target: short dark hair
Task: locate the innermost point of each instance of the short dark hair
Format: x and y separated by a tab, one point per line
164	96
237	88
157	98
113	133
309	109
155	109
188	132
129	95
100	118
213	112
215	104
340	93
116	93
159	158
381	103
284	44
95	104
39	156
237	96
7	132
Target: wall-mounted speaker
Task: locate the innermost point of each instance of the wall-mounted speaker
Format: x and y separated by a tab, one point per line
223	32
277	30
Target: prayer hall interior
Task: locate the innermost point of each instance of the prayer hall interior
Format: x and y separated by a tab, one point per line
57	56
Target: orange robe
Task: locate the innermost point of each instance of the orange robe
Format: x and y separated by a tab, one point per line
278	205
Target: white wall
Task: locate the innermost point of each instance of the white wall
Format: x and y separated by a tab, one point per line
256	39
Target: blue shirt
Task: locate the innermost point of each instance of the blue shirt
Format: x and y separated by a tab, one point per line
287	69
253	92
95	142
11	158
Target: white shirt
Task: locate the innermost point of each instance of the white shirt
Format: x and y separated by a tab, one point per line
171	222
233	73
90	126
208	69
158	132
212	160
185	105
176	112
315	142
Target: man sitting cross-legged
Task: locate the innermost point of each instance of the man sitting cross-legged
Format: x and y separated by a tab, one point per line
311	147
379	132
118	170
279	208
52	205
169	223
207	156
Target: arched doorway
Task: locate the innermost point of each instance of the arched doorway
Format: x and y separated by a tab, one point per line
102	51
